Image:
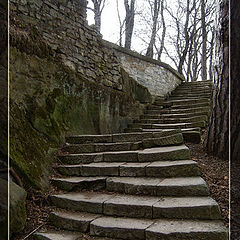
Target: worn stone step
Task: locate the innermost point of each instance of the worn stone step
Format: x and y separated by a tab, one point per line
192	135
190	106
153	140
186	110
57	235
183	130
198	83
188	95
200	124
175	116
89	139
183	97
139	229
65	235
100	147
90	172
186	186
180	106
173	119
72	221
186	230
180	152
78	183
121	228
131	206
186	101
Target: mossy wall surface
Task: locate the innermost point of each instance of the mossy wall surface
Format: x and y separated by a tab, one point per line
49	100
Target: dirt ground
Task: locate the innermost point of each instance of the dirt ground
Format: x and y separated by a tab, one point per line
214	171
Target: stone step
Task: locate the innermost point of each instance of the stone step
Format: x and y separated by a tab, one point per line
192	135
139	229
132	206
183	97
57	235
173	120
183	130
186	230
185	186
181	168
78	183
194	88
200	124
113	138
180	106
186	101
190	106
154	141
180	152
186	110
65	235
175	116
100	147
198	83
188	95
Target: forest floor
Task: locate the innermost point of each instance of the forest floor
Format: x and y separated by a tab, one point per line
214	171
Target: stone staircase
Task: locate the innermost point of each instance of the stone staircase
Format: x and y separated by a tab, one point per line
137	185
187	109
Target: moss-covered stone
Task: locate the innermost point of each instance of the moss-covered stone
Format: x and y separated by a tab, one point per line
49	101
17	208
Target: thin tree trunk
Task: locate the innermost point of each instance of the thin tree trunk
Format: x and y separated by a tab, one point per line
235	81
163	31
184	54
154	29
204	40
130	14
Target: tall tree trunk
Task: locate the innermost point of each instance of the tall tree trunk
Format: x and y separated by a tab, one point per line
154	28
163	31
218	131
129	23
204	40
98	8
235	81
235	118
186	34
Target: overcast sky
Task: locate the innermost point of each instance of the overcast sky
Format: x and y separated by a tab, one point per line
110	23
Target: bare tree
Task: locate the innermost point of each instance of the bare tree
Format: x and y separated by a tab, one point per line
121	24
155	7
204	40
129	22
98	8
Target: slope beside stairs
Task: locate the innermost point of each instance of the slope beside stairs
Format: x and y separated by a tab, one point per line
140	184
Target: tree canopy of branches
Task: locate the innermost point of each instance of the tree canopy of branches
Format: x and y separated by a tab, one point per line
183	32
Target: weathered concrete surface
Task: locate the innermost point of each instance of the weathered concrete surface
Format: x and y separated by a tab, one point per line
187	229
122	228
72	221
